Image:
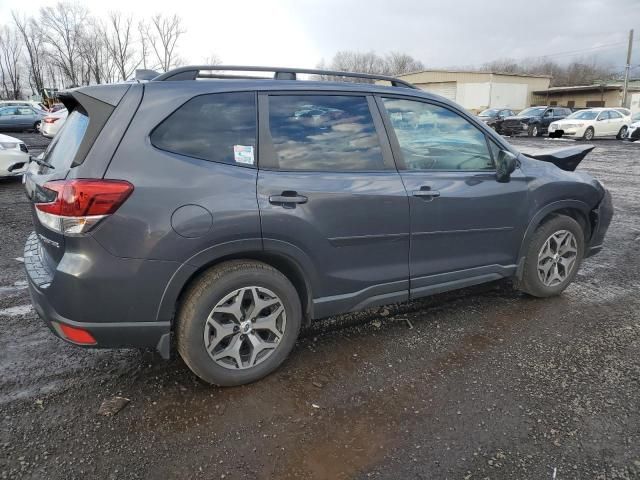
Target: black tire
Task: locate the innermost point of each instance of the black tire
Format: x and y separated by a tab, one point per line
36	126
531	282
532	131
200	300
588	134
622	133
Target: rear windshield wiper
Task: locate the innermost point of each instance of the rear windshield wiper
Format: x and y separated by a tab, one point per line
42	162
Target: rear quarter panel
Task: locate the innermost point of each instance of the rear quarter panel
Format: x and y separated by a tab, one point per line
164	182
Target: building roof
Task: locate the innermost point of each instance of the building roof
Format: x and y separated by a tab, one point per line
586	88
481	72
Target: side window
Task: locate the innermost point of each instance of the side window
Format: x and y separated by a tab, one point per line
219	127
603	116
24	111
7	111
615	115
323	133
548	113
436	138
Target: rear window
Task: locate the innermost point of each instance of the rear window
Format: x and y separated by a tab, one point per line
64	146
219	127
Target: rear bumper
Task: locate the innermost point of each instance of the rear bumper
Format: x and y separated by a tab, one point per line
52	288
602	219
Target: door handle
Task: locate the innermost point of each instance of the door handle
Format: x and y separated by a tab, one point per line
426	193
287	198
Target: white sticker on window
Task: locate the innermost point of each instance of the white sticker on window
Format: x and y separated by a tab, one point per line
243	154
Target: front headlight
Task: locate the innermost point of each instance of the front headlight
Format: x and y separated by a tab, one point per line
8	145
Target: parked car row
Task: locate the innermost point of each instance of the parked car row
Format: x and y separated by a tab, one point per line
561	121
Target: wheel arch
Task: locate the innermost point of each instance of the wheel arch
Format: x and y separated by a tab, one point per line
575	209
193	269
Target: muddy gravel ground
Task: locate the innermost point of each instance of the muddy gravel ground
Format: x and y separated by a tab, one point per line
481	383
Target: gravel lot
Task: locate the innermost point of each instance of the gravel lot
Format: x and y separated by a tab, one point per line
482	383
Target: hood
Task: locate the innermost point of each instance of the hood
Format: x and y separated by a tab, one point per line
565	158
8	139
520	119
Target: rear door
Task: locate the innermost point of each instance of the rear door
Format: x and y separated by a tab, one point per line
331	198
465	226
616	122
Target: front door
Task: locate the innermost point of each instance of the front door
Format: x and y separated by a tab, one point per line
466	227
602	126
331	198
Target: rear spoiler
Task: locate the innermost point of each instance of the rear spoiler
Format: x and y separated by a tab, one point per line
566	158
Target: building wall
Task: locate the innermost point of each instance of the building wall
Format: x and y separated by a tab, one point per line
611	98
479	90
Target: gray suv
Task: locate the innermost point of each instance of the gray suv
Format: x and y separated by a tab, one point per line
229	213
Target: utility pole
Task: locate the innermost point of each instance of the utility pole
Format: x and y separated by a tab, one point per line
626	70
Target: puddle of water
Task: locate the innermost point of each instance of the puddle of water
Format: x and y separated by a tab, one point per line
16	311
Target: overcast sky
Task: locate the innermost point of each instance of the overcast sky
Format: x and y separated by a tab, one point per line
439	33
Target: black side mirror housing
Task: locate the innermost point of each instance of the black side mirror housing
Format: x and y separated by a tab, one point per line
506	163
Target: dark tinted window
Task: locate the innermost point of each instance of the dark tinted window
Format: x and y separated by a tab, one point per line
323	132
220	127
62	150
436	138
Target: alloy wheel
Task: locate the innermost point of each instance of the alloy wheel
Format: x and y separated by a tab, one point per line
245	328
557	258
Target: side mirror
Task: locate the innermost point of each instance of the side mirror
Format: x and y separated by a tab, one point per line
506	163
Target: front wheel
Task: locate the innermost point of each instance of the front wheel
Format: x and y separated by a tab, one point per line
588	134
553	257
533	131
238	322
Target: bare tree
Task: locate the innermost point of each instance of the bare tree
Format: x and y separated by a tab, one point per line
397	63
577	72
161	37
10	66
394	63
62	27
120	43
98	66
212	59
33	42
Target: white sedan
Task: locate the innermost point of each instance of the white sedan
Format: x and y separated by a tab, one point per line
14	156
52	123
594	122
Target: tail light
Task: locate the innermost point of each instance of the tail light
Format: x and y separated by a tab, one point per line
77	206
50	119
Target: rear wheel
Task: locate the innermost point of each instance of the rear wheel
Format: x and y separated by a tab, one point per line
553	257
36	126
588	134
622	133
238	323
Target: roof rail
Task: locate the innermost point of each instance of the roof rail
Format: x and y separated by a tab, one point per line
193	72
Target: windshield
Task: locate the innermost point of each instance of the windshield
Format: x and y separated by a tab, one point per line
491	112
585	115
532	112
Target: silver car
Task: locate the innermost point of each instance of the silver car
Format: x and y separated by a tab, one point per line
20	118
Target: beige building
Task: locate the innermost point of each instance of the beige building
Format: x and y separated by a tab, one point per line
477	91
586	96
